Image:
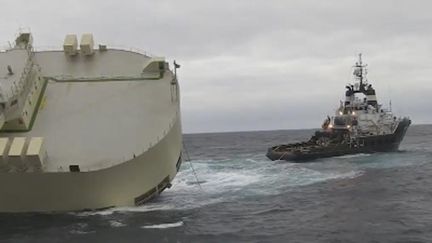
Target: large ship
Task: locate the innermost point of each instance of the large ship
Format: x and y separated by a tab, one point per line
85	126
360	125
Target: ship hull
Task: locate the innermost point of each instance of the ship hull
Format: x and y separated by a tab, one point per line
369	144
127	184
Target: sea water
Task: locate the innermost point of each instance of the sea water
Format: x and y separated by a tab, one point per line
230	192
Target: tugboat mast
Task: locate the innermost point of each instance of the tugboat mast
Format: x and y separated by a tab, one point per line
359	73
361	68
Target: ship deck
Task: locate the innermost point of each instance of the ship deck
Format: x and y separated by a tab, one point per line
100	111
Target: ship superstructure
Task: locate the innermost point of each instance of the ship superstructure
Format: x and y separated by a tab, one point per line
360	125
361	113
85	127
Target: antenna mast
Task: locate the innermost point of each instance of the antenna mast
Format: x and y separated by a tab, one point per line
359	73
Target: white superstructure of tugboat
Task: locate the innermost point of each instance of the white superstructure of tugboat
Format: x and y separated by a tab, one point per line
85	127
360	125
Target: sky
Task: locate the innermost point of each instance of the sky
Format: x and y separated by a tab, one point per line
256	65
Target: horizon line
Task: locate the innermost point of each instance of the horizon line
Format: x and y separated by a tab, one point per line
278	129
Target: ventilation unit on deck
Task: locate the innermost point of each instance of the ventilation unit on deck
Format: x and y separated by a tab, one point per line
3	149
22	154
36	154
86	44
70	45
15	159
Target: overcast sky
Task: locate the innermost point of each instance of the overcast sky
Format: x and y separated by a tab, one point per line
257	65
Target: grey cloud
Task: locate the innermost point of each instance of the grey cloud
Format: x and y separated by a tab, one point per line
257	64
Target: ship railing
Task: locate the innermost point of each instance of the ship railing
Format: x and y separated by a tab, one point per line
109	47
20	85
47	48
24	77
130	49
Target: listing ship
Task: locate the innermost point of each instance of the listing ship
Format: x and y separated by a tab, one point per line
85	126
360	125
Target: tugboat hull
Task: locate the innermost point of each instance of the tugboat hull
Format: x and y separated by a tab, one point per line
369	144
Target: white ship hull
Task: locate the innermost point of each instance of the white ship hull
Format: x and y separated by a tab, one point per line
85	129
120	185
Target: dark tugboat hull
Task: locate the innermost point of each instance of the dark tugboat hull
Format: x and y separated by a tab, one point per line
368	144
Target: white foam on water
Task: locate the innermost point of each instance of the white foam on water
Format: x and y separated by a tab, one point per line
226	180
95	212
173	202
167	202
163	226
316	176
212	180
110	211
251	176
229	181
278	176
145	208
116	224
350	156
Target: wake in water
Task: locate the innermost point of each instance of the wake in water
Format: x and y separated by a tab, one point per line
229	180
233	179
224	176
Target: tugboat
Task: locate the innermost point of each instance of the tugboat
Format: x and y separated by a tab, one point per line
360	125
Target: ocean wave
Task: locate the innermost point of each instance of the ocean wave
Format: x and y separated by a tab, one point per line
163	226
